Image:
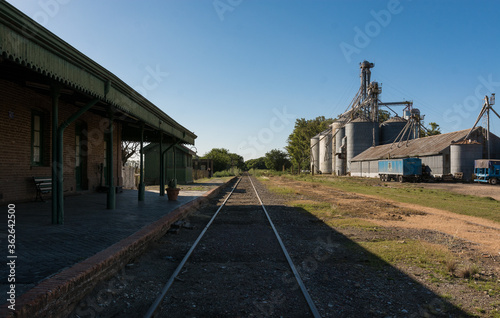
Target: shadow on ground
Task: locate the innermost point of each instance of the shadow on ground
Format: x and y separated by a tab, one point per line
345	279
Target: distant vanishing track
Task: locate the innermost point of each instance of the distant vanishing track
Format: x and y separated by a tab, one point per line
156	305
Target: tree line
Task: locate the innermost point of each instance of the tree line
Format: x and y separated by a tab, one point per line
224	160
297	153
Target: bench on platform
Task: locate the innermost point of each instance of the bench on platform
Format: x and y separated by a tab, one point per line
43	186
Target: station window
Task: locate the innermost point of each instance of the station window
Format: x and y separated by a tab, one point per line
36	138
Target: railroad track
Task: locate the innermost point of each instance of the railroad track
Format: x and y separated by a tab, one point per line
256	243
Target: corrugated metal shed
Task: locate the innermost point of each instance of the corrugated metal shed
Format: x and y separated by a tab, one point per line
426	146
183	166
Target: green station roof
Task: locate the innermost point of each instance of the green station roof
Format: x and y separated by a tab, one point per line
27	43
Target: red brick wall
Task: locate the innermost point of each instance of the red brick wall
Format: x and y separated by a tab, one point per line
16	171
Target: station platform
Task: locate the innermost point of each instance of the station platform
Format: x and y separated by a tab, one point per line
93	243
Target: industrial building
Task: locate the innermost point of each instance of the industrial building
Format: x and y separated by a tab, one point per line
177	160
356	141
441	154
65	116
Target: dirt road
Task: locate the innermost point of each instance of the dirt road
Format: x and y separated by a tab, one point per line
485	234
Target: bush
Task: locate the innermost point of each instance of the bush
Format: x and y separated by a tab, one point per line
266	173
228	173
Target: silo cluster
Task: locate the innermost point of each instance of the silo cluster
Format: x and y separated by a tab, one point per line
358	128
333	149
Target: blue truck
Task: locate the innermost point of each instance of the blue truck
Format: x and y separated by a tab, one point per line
407	169
487	171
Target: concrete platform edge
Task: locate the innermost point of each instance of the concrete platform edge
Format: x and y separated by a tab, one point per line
58	295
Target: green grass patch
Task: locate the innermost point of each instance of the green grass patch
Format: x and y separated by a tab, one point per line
194	188
332	216
353	222
489	287
495	314
281	190
266	172
321	210
483	207
417	253
314	207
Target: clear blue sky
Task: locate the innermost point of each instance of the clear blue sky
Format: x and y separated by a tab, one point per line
238	72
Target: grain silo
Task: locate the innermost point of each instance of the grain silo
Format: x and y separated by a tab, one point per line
335	126
340	164
361	134
391	128
325	151
462	156
315	153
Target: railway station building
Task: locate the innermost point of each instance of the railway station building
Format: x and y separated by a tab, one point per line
177	160
64	117
442	154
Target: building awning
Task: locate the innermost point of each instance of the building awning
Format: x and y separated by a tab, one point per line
27	43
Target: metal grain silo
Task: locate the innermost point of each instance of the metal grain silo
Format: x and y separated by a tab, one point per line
390	129
325	151
462	156
315	154
340	164
361	134
335	127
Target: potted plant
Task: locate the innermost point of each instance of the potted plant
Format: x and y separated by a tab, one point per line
172	190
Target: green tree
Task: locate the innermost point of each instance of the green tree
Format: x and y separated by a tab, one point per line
259	163
224	160
220	157
299	141
433	130
237	161
277	159
383	115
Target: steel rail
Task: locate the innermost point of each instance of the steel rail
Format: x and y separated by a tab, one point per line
308	298
154	307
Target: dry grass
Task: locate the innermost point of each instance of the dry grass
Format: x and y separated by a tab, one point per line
483	207
468	271
451	266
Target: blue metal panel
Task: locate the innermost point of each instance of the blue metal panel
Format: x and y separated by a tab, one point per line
412	166
405	167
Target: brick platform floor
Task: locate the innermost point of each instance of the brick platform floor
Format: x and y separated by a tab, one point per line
44	250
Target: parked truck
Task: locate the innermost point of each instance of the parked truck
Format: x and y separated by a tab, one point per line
487	171
407	169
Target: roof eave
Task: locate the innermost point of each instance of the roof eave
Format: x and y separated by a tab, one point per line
24	41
